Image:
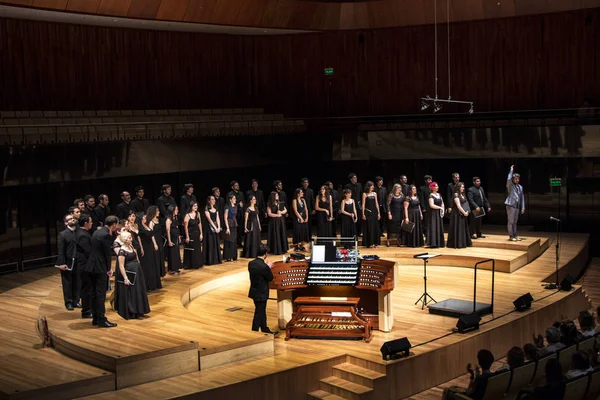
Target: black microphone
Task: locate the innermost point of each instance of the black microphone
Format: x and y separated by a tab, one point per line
554	219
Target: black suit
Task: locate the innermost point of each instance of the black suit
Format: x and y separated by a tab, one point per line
423	194
260	276
382	195
405	189
123	209
101	214
309	196
163	203
140	205
67	255
185	203
477	199
450	195
92	213
335	198
83	240
97	267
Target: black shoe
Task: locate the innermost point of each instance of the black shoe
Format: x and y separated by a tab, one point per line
69	306
87	315
106	324
77	305
267	330
94	322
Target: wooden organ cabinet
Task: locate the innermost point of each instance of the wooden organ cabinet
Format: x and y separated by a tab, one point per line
308	294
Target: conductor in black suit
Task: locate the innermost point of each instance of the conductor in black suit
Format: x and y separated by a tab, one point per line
99	269
477	201
260	276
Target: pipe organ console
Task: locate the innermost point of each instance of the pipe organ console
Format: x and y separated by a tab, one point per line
334	299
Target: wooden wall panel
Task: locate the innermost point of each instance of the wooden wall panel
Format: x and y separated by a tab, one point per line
54	4
310	14
146	9
531	62
83	6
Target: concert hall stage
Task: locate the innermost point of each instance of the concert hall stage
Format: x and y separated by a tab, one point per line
197	339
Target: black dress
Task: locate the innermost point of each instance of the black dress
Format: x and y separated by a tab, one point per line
277	236
192	253
300	233
396	207
173	254
414	239
348	227
458	234
157	229
324	227
252	237
150	261
212	252
133	299
230	241
435	223
370	229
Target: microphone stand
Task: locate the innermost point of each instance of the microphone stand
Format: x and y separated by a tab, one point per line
556	285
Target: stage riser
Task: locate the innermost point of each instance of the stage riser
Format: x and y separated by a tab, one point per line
67	391
241	353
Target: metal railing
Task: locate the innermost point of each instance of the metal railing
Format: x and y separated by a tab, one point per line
9	268
38	262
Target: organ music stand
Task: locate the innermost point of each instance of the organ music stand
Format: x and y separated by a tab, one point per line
425	257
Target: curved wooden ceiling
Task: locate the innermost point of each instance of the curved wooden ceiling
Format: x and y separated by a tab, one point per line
308	15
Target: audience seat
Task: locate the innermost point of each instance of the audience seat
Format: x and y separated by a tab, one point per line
520	378
586	344
540	370
576	389
564	357
497	386
594	386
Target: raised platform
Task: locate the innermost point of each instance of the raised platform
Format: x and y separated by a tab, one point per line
351	369
226	358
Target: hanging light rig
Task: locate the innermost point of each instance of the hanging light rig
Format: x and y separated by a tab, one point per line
435	102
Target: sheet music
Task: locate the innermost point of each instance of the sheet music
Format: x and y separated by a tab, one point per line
318	253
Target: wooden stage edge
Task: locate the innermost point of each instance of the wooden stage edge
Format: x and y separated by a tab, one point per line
358	372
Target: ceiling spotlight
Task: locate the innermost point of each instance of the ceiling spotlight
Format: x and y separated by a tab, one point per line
471	110
436	107
424	105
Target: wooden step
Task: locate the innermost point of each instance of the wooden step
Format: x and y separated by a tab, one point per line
357	374
321	394
344	388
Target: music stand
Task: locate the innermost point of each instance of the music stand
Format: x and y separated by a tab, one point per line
425	257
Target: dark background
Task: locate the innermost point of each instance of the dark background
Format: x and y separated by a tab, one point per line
525	63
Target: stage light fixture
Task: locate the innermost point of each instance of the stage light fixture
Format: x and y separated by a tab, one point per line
424	105
468	323
436	107
395	349
471	110
524	302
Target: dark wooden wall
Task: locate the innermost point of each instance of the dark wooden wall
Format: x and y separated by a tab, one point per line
531	62
309	14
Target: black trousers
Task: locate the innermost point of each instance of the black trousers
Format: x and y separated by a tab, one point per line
475	224
86	292
71	284
382	221
98	283
426	216
260	316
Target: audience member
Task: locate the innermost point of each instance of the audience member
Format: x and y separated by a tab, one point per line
514	359
553	340
554	389
478	380
569	333
580	365
530	351
586	324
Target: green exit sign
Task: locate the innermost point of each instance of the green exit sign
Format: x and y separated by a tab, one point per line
555	182
329	71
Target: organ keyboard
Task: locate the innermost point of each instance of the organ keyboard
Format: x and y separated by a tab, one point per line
328	318
369	280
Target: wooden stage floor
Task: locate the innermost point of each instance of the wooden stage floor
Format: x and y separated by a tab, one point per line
191	320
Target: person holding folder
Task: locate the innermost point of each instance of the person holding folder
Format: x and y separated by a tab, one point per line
479	206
